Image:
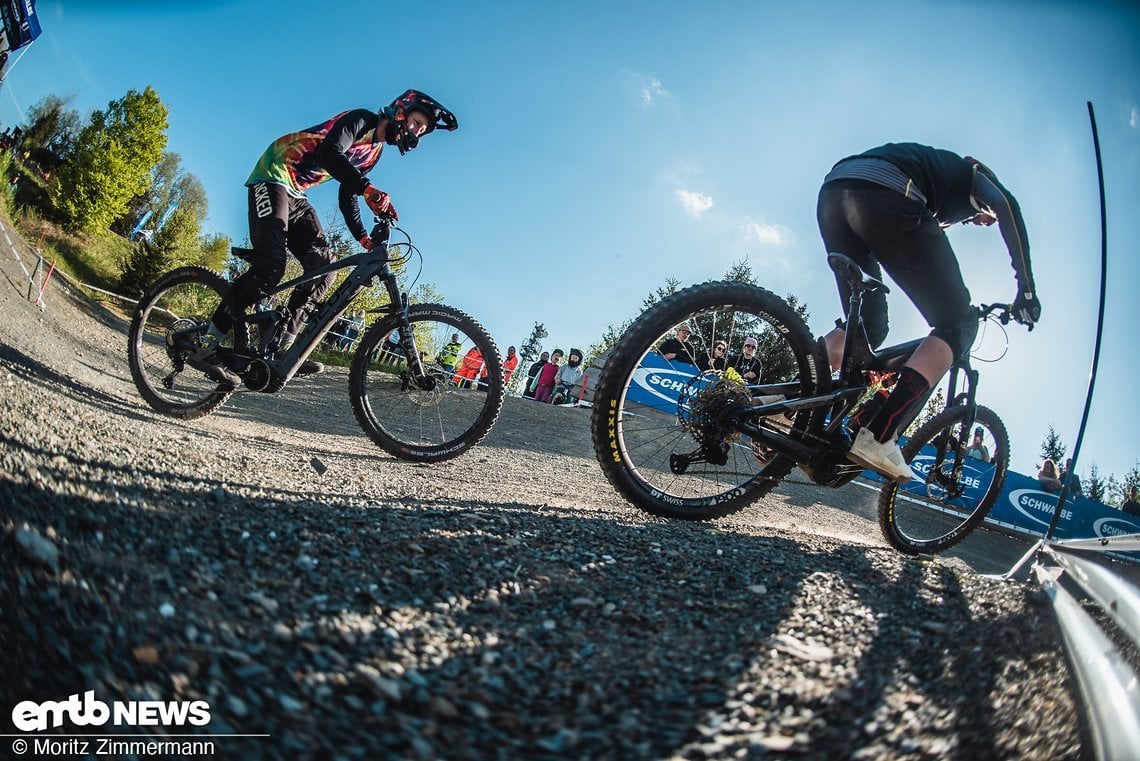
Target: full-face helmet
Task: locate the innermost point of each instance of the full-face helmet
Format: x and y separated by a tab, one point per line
399	135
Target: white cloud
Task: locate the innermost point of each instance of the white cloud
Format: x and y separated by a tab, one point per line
647	89
1134	118
768	234
694	203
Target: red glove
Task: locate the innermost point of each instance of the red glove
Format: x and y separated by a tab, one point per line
380	202
365	241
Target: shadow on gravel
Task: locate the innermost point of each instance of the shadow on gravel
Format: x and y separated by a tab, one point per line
36	372
454	629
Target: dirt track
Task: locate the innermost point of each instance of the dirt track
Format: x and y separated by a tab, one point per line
502	605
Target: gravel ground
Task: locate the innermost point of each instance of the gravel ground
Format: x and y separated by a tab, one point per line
504	605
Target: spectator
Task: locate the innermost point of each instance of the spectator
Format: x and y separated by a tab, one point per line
336	335
717	360
509	365
448	356
1049	477
679	348
977	449
390	351
532	375
469	369
567	376
1075	484
1130	505
544	387
746	362
352	329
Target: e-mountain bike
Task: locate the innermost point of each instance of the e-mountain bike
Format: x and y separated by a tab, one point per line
680	443
402	397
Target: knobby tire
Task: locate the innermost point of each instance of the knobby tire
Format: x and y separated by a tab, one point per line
618	458
957	525
422	426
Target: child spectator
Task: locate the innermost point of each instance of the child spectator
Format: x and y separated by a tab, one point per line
545	385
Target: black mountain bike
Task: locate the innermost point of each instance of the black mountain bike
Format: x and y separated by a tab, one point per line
404	398
684	444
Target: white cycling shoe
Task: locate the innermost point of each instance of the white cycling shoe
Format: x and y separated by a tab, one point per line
885	458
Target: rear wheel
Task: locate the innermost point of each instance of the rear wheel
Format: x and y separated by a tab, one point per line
650	414
170	318
434	418
936	509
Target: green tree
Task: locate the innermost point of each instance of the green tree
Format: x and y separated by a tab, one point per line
112	161
1094	484
51	126
1120	488
1053	448
215	250
170	188
529	351
672	285
176	244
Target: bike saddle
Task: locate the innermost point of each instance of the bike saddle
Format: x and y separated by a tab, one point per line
845	267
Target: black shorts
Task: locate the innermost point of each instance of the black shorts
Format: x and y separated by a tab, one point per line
877	226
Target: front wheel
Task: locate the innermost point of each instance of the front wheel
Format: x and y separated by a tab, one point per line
666	434
177	308
939	507
446	412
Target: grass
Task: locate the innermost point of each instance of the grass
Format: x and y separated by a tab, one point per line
90	259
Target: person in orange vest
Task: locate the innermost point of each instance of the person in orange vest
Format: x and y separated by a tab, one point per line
509	365
469	368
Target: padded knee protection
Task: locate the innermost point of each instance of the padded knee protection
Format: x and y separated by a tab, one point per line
959	335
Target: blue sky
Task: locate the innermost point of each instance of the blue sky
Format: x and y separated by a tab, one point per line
604	147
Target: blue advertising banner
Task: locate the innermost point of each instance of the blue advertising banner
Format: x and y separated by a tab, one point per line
658	382
1023	507
21	25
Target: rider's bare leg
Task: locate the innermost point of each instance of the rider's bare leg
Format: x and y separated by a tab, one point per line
931	359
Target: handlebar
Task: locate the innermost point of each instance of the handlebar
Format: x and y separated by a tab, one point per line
1004	313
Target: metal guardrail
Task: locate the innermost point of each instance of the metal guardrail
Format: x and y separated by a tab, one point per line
1109	687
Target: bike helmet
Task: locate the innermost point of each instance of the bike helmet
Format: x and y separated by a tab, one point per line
398	133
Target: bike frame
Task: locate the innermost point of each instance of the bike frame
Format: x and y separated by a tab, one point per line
365	267
858	359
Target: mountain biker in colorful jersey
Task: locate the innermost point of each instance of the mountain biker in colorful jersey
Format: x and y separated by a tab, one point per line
282	220
888	206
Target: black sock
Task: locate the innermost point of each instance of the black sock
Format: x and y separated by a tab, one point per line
911	389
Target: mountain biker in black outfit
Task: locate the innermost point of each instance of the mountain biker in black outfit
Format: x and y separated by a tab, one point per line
887	206
344	148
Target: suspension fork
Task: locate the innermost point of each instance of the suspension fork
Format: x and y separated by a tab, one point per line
407	339
967	424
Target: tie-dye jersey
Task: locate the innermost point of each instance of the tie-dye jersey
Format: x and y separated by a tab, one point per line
292	161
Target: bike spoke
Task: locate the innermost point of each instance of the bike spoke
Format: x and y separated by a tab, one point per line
665	429
434	418
942	504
